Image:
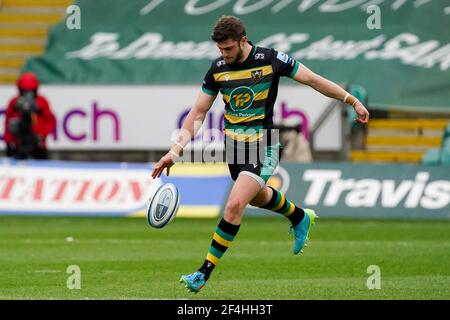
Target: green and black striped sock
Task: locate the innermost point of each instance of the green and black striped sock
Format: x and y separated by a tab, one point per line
222	239
280	204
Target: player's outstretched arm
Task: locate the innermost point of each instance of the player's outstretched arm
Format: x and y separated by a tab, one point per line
332	90
192	123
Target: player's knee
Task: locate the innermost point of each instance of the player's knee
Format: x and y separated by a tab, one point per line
234	207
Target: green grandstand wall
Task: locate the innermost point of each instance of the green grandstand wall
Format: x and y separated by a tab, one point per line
403	64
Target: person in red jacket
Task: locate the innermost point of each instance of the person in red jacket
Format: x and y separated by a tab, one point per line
28	121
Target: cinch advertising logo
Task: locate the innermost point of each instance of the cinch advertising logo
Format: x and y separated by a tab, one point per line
213	124
82	124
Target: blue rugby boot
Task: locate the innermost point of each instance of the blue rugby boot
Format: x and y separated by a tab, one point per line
302	229
194	282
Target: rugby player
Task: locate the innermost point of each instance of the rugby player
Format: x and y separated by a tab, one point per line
247	76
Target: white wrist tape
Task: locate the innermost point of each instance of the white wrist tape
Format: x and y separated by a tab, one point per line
174	153
346	96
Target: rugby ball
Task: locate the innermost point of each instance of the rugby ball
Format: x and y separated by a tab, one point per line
163	205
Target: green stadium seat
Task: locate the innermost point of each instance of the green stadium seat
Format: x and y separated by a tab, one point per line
445	153
446	133
432	157
435	157
360	93
351	116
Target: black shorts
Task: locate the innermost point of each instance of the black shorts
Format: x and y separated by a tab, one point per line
259	164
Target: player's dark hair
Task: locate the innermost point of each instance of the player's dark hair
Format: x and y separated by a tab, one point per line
228	27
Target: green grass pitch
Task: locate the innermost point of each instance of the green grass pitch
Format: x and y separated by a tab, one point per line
123	258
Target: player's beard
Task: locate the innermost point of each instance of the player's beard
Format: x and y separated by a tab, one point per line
239	55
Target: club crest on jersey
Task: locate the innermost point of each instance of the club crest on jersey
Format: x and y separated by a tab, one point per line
257	75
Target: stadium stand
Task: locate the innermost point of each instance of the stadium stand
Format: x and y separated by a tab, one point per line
402	140
24	25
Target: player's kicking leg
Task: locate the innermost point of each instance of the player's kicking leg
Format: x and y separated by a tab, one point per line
274	200
244	190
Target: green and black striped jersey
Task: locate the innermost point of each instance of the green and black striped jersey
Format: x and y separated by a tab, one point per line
249	91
